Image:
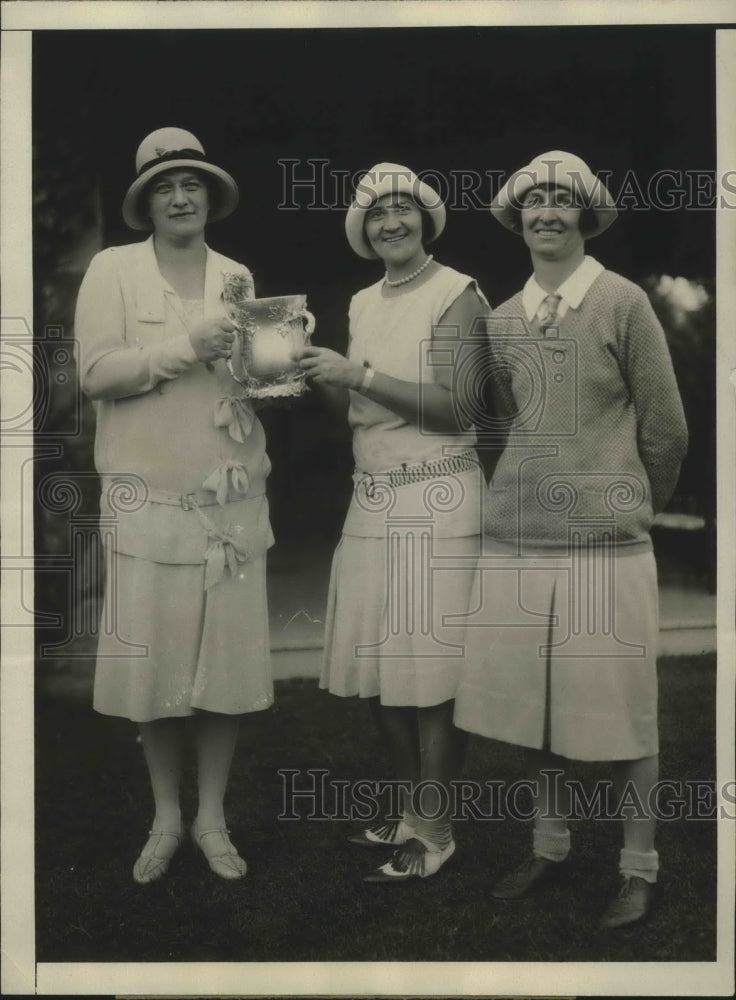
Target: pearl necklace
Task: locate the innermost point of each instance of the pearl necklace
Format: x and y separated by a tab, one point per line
409	277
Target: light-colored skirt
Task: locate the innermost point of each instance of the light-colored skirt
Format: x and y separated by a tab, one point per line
167	647
561	653
388	606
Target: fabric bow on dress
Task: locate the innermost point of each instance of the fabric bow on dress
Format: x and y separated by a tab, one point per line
229	474
235	413
224	549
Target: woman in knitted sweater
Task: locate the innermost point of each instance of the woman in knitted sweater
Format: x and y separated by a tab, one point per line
562	641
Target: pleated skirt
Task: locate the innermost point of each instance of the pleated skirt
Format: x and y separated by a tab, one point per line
168	648
561	654
395	614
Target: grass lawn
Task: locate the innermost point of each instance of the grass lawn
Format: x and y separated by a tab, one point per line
303	899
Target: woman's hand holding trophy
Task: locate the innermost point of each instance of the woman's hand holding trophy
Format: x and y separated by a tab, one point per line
213	339
327	367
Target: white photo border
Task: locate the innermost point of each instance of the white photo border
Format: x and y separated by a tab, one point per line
21	974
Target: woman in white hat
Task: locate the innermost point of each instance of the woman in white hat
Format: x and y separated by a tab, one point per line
412	529
562	655
183	467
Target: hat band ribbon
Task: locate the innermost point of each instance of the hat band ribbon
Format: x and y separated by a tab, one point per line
173	154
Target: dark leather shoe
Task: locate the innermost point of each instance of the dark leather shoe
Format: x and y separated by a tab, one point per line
533	874
633	902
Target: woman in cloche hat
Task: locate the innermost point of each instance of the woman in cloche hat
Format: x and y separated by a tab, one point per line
183	466
566	663
413	525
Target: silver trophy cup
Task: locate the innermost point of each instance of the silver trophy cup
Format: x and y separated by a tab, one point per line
269	332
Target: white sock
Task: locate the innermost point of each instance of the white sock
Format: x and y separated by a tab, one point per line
641	864
554	846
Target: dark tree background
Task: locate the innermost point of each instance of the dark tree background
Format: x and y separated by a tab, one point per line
630	101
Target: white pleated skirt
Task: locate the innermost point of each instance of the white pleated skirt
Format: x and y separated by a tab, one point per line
168	648
561	653
395	614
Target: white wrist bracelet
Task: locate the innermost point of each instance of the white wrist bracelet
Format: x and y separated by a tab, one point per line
367	379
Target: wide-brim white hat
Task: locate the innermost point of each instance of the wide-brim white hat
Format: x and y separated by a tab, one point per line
389	178
169	149
558	169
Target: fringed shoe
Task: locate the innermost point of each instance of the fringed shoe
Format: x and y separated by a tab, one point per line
383	833
412	860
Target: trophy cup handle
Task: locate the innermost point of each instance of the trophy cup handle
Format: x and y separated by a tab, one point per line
309	321
234	362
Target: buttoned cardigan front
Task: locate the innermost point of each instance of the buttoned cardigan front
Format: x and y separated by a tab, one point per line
166	422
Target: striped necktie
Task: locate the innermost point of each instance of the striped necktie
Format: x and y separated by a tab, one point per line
549	316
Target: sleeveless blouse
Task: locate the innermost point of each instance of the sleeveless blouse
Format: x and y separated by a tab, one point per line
394	336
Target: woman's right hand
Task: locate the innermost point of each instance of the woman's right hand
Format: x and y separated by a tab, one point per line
327	367
213	339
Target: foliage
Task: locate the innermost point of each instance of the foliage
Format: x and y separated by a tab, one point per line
66	231
686	310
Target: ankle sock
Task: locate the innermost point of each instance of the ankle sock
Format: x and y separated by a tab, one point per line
552	845
642	864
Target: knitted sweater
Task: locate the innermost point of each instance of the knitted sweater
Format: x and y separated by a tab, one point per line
596	429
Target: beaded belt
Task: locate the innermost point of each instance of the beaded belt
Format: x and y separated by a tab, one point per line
406	474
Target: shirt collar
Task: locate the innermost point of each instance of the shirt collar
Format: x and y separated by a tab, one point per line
152	287
572	290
